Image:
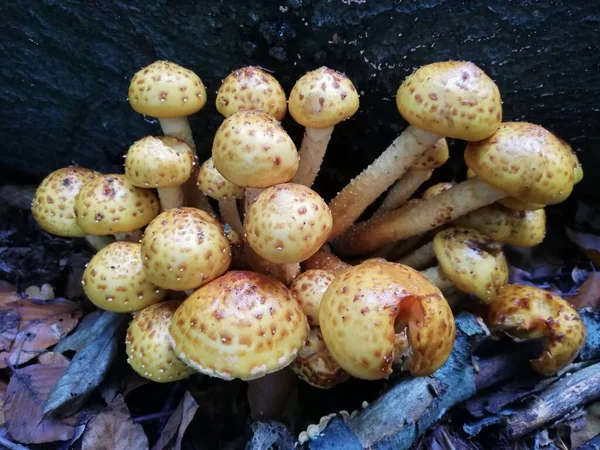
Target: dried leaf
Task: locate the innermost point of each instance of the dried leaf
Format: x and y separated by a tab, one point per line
113	429
121	383
54	359
27	391
591	428
589	243
177	424
270	435
588	294
88	330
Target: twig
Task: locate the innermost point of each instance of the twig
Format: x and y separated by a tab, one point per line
153	416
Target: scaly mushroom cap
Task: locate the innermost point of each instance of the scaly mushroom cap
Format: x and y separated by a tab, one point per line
148	349
53	205
111	204
472	261
315	365
241	325
434	157
213	184
184	248
251	88
362	309
490	220
528	227
251	149
322	98
165	89
436	189
577	168
527	312
160	162
288	223
453	98
114	279
308	288
525	161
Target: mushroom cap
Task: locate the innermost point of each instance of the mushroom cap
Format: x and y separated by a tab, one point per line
114	279
528	228
165	90
288	223
53	205
215	185
528	312
525	161
315	365
148	349
184	248
160	162
241	325
251	149
452	98
323	98
111	204
308	288
491	220
434	157
472	261
251	88
362	309
436	189
577	168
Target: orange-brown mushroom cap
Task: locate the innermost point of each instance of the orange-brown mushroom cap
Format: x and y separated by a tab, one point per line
491	220
308	288
452	98
512	202
436	189
215	185
241	325
362	309
528	312
528	228
434	157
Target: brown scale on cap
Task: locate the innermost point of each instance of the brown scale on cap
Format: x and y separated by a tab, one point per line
114	279
251	149
165	89
53	205
308	288
322	98
527	312
184	248
215	185
434	157
436	189
251	88
288	223
366	307
111	204
148	349
452	98
241	325
491	220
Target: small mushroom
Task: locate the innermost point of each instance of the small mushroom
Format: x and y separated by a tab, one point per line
161	162
319	100
148	349
287	223
308	288
114	279
184	248
528	228
527	312
371	307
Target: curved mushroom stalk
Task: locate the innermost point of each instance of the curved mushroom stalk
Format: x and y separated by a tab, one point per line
420	258
323	260
527	312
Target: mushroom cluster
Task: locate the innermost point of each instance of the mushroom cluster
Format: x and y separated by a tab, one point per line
259	269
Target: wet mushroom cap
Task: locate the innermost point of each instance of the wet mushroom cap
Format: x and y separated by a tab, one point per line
148	349
491	220
184	248
160	162
213	184
365	308
452	98
322	98
528	228
288	223
472	261
577	168
114	279
111	204
436	189
308	288
165	90
241	325
434	157
251	88
525	161
251	149
53	205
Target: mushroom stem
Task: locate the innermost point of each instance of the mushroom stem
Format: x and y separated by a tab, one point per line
194	197
271	396
435	275
178	127
420	258
312	152
170	197
230	215
98	242
129	236
325	260
403	189
391	165
418	218
399	249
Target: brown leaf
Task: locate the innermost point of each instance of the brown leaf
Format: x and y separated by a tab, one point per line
589	243
54	359
113	429
28	389
177	424
588	294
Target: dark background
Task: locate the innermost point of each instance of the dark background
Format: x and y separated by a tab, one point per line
66	67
